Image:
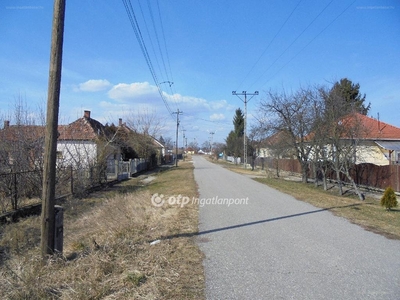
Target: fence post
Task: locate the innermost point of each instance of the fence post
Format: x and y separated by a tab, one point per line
58	228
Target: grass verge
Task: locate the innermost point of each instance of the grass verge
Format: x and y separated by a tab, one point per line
107	247
369	213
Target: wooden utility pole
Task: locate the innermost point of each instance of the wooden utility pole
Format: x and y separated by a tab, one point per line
53	104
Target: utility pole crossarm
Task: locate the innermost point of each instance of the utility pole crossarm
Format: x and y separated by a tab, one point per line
245	101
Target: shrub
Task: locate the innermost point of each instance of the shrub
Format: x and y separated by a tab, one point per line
389	199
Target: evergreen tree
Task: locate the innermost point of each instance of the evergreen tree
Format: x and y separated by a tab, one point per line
389	199
346	95
234	141
238	123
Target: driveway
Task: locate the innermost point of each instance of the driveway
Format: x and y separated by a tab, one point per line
260	243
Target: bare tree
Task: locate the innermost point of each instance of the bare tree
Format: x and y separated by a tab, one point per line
343	131
21	143
146	122
145	127
169	143
291	114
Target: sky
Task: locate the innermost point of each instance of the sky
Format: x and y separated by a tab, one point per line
193	53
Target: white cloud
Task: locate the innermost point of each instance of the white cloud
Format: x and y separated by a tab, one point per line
217	117
191	101
94	85
221	104
124	91
145	93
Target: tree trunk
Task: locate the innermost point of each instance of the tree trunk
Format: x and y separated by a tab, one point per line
339	182
324	181
315	172
304	170
356	189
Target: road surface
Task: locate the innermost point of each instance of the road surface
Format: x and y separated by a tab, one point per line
275	247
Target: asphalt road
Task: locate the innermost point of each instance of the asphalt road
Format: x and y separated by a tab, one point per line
275	247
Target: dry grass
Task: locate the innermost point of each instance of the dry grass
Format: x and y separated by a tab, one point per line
368	214
107	250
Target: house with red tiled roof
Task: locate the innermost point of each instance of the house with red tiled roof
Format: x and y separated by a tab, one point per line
80	144
83	142
378	142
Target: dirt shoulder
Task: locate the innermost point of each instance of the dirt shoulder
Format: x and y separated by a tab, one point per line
117	245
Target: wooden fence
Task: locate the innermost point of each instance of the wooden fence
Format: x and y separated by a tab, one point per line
368	175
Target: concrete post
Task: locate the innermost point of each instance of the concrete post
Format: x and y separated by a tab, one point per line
58	229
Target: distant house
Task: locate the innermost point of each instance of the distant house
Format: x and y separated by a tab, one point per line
160	150
135	145
276	146
190	150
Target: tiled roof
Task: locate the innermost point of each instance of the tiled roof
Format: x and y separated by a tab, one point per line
28	133
373	129
278	138
83	129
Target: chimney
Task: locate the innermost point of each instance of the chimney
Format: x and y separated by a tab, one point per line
6	124
120	122
86	114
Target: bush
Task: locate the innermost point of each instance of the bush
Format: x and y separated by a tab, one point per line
389	199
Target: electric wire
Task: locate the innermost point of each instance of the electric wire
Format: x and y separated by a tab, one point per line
162	71
301	50
136	28
168	70
292	43
269	44
171	78
149	35
157	39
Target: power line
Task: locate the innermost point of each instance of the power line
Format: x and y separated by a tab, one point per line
136	28
171	78
270	43
157	39
301	50
162	70
292	43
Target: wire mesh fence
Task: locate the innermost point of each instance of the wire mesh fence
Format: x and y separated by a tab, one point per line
18	189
